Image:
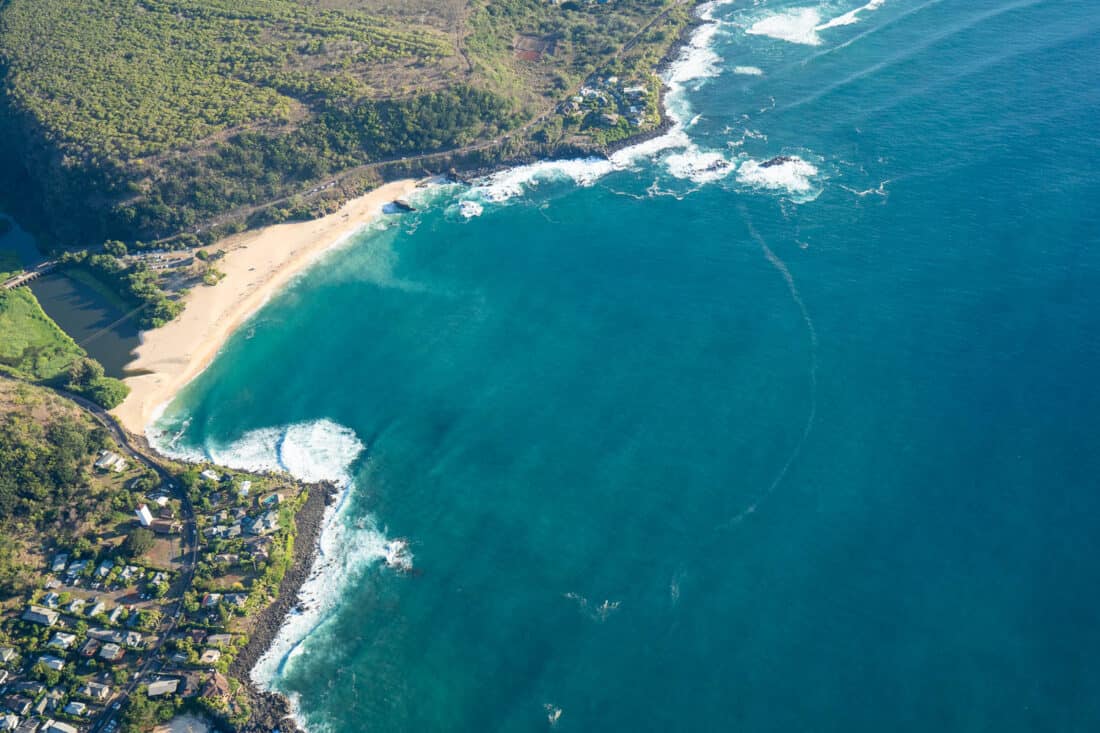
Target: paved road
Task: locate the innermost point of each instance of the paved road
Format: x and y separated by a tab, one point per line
174	612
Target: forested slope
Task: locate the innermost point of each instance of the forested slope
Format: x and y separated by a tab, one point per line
140	120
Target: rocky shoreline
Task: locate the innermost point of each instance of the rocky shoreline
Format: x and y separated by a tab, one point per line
271	710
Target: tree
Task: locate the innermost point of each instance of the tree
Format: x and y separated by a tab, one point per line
115	248
83	372
139	542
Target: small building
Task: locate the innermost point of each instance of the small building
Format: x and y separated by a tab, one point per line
219	639
211	599
245	487
97	608
60	560
7	653
109	461
62	640
51	600
40	615
105	568
210	475
90	647
165	686
77	606
166	526
144	515
94	691
30	725
111	652
52	662
116	614
76	708
210	656
4	674
56	726
134	639
18	704
8	721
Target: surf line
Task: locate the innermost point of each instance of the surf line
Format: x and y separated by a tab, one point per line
811	416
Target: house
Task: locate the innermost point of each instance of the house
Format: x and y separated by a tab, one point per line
61	640
166	526
8	722
245	487
40	615
90	647
77	606
163	687
109	461
210	475
4	674
56	726
265	523
51	600
97	608
144	515
134	639
219	639
116	614
52	662
76	568
111	652
7	653
94	691
75	708
216	687
60	560
30	725
17	704
211	599
210	656
105	568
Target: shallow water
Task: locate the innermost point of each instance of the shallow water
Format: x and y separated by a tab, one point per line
797	444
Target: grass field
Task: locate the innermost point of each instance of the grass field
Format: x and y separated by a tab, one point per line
31	344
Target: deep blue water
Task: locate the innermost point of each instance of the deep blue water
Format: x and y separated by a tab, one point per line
803	447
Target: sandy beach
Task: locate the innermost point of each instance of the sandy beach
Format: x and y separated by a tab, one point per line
256	266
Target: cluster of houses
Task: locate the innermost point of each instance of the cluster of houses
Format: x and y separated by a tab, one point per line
609	99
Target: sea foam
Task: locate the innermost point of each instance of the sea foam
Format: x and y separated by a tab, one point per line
792	174
802	25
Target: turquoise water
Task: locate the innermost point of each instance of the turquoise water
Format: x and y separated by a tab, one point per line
681	445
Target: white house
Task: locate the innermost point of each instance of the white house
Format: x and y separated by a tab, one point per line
143	515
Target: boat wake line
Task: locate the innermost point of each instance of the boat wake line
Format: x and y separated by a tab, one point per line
811	415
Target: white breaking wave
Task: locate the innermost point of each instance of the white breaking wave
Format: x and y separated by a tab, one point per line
797	25
852	16
785	173
470	209
748	70
699	166
802	25
507	184
319	450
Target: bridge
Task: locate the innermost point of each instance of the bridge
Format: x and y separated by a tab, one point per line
32	274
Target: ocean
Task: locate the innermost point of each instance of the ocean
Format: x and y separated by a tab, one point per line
785	421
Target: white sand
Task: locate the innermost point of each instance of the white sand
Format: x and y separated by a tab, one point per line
256	266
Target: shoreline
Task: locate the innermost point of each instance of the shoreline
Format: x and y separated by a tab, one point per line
150	393
257	265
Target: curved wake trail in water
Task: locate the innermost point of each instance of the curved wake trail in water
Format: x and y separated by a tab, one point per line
811	415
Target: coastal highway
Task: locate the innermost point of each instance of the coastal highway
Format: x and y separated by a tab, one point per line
173	608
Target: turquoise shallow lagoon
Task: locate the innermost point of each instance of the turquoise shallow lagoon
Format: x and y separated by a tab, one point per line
703	439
